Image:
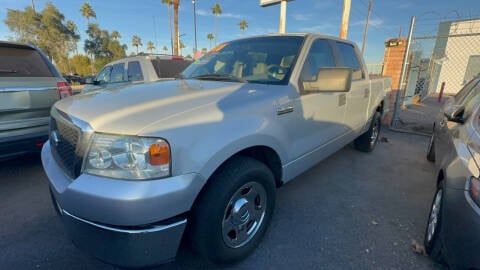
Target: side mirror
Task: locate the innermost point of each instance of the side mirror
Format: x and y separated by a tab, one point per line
330	80
454	113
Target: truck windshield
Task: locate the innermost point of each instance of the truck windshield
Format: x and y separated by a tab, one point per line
265	60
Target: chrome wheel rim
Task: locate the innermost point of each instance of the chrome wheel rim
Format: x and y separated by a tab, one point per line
244	214
434	216
375	131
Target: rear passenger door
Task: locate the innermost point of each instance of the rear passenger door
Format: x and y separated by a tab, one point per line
134	72
358	96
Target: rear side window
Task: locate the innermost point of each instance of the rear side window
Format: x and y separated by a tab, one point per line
169	68
134	71
349	58
118	71
22	62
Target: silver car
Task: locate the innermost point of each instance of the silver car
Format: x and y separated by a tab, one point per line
453	230
29	86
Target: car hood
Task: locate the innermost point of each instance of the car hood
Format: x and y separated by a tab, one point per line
129	110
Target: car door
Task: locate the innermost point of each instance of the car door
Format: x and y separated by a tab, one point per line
450	132
358	96
322	112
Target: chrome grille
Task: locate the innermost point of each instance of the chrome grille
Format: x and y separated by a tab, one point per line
64	137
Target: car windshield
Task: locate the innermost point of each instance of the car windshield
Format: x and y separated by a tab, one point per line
265	60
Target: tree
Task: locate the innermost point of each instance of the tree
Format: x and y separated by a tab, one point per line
116	35
136	41
80	64
176	4
150	46
165	49
169	7
88	12
102	47
210	36
204	50
243	25
72	27
216	10
46	29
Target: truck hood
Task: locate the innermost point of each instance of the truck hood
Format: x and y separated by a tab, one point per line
129	110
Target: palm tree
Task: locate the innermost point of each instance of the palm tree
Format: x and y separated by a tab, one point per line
72	27
243	25
210	36
150	46
176	4
165	49
136	41
88	12
216	10
116	35
169	7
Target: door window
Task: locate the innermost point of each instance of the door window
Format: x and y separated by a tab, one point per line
134	71
349	58
104	75
319	56
118	71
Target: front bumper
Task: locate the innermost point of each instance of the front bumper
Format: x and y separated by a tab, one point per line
126	223
132	247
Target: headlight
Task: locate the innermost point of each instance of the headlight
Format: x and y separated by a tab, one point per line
127	157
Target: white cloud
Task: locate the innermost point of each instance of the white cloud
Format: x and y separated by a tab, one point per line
301	17
372	22
321	28
203	12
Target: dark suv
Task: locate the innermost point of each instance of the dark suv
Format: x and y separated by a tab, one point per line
29	86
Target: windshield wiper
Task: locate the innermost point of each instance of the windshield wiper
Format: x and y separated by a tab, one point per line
220	77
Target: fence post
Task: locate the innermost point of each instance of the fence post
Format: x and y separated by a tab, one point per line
440	95
403	74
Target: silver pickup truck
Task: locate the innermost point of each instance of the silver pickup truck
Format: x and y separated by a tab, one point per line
133	170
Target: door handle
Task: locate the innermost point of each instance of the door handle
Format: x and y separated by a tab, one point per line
284	110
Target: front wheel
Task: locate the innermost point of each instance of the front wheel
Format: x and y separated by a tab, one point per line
432	240
367	141
233	213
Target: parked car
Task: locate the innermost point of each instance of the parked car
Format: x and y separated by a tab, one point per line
131	171
138	69
71	79
29	85
453	230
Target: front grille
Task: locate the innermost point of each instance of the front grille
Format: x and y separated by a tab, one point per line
63	140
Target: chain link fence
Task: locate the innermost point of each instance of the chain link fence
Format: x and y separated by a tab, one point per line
449	56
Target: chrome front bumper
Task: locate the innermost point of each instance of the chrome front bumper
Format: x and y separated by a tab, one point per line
125	247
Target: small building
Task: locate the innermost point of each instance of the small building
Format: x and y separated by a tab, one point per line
456	56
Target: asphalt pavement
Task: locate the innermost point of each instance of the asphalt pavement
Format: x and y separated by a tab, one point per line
353	210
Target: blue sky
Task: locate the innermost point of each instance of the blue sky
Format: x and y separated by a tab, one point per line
149	19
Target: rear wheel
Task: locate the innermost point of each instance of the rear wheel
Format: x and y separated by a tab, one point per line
367	141
433	243
233	213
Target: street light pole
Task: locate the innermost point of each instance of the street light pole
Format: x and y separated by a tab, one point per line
194	2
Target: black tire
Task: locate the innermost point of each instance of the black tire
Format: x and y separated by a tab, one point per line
431	149
367	141
433	240
213	228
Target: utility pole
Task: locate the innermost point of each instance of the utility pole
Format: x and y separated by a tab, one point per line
33	6
194	2
283	16
345	18
364	43
403	75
